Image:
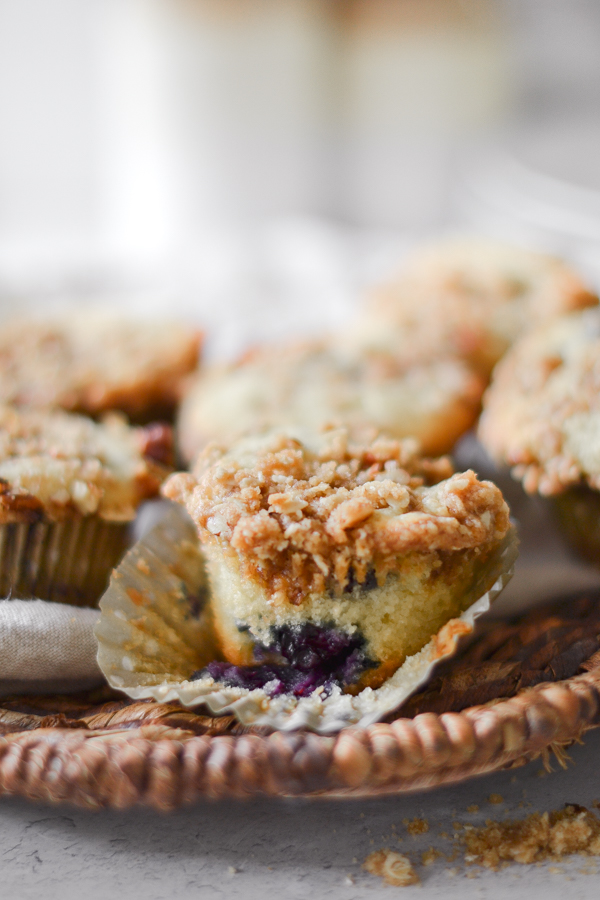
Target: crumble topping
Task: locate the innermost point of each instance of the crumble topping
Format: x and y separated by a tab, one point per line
542	413
470	297
56	464
324	513
322	382
95	360
540	836
395	868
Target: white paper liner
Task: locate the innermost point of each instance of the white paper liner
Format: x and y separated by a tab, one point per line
150	639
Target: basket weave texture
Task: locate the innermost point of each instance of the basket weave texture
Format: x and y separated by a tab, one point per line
521	690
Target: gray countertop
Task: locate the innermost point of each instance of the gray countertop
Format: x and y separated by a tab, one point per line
291	849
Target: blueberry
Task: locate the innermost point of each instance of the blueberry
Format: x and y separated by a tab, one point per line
298	659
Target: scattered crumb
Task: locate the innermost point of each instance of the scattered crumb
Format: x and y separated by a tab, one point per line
541	773
538	837
142	566
445	835
394	868
232	870
555	870
349	880
457	826
495	798
473	808
354	859
416	826
428	857
451	873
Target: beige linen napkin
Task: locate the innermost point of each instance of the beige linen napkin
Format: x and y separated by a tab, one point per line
47	647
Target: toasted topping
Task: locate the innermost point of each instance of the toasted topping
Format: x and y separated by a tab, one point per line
471	298
317	383
307	516
54	465
542	411
92	361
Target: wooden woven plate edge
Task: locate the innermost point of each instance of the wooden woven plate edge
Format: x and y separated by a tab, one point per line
163	767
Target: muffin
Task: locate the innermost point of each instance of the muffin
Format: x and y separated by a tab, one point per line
542	418
318	383
93	361
470	298
69	486
332	561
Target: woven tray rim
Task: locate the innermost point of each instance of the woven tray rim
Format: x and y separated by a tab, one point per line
163	767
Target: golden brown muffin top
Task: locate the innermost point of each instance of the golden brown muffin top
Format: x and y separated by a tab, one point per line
316	383
542	414
94	360
471	298
55	465
320	512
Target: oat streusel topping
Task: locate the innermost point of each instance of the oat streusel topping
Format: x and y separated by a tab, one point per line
94	360
55	464
305	516
471	298
542	414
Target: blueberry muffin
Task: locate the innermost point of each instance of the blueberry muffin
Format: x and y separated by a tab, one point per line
318	383
94	361
542	418
332	560
470	298
69	487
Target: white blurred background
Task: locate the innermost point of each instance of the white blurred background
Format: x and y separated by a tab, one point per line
228	158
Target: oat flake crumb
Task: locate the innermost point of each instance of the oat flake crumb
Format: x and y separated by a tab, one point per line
394	868
428	857
495	798
416	825
538	837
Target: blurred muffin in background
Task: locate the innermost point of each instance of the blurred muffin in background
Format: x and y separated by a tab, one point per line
318	383
542	418
93	361
69	487
470	298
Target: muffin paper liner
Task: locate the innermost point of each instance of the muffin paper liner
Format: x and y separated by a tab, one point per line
153	633
67	562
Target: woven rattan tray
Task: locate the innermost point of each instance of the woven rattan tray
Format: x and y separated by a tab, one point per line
523	689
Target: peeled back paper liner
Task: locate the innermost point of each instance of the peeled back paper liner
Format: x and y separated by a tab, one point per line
153	633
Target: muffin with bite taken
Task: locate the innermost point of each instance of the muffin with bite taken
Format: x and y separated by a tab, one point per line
331	561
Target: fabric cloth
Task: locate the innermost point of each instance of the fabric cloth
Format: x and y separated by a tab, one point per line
47	646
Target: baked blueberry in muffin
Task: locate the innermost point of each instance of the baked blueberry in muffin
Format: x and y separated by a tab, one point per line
330	561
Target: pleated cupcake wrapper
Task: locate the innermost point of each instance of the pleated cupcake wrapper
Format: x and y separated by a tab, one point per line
578	513
66	562
154	632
